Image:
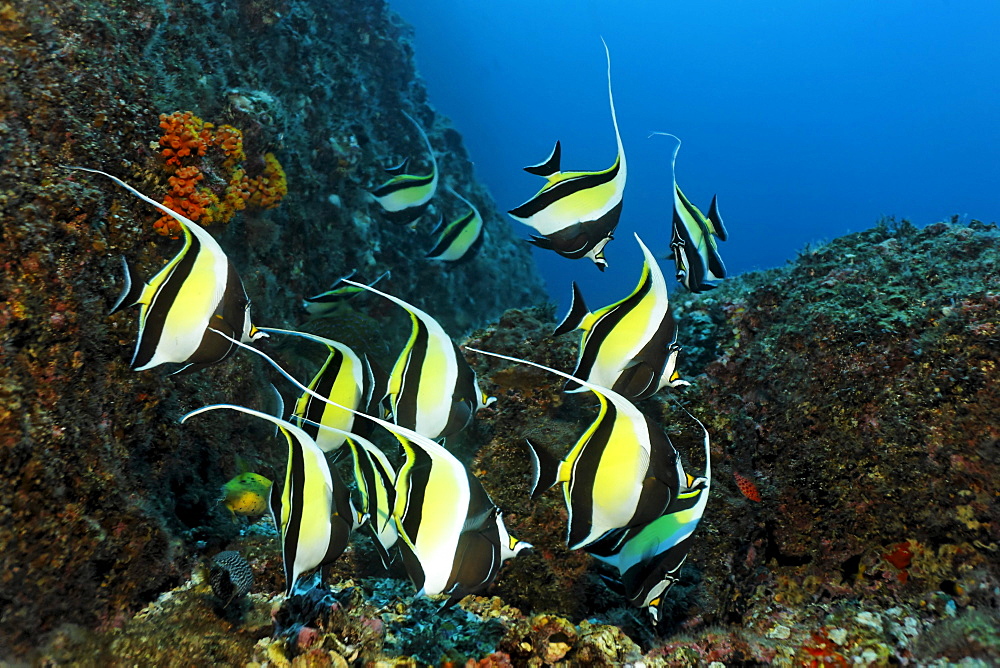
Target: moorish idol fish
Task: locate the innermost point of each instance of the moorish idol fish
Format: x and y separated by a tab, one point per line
649	558
313	512
696	253
375	479
432	389
631	345
459	239
437	502
623	471
449	538
325	302
405	196
346	379
576	213
376	482
197	291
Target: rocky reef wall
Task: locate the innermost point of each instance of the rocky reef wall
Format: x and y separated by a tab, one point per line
104	498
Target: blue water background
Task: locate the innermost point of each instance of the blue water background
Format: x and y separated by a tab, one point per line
810	119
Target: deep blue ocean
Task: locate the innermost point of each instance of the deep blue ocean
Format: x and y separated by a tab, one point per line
809	119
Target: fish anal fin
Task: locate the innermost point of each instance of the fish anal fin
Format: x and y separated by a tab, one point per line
383	554
132	290
544	470
577	312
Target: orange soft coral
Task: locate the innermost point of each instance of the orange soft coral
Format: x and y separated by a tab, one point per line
184	134
268	189
185	143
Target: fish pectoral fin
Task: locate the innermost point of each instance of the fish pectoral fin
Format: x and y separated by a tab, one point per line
132	290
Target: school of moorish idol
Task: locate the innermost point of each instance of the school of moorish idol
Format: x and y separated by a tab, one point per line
629	500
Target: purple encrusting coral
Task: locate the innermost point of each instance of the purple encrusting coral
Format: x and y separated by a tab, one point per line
854	388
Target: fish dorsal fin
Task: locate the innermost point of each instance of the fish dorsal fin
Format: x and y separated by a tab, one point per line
427	143
291	431
440	226
577	312
604	394
620	162
399	169
548	167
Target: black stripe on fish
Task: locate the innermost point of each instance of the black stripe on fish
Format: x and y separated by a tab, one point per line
463	399
403	184
456	229
296	500
419	476
341	519
407	215
405	406
571	186
322	385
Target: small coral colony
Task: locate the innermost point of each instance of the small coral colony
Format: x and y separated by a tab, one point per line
630	502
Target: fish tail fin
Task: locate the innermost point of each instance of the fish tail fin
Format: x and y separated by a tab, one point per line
577	312
544	470
718	229
132	290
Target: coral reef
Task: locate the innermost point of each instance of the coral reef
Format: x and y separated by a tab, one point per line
850	395
106	501
805	557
